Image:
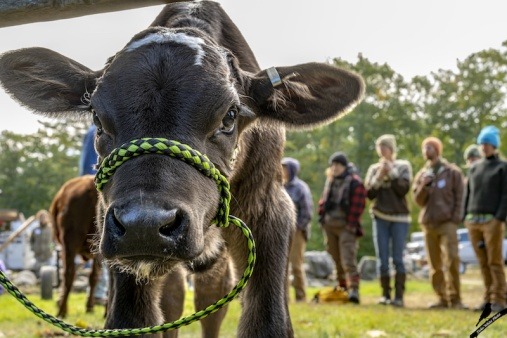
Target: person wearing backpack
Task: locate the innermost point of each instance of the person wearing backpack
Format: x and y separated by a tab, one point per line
340	210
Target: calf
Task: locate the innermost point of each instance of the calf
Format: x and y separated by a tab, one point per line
73	212
189	77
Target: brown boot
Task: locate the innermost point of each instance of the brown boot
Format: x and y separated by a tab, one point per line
386	290
399	289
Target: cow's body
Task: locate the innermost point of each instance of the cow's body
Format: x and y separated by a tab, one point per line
73	212
191	77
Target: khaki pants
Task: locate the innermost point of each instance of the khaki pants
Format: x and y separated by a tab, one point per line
342	246
490	257
442	248
296	259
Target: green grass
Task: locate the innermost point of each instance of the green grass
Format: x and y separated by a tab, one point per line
309	319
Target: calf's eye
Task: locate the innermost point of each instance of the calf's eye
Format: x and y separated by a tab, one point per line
97	123
229	121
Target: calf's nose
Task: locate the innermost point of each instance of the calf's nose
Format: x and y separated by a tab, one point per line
141	231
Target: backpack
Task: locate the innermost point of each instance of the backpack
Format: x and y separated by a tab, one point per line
331	295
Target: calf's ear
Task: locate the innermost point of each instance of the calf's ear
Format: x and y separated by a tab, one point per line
45	81
306	95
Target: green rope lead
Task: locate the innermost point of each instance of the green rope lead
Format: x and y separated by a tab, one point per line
107	169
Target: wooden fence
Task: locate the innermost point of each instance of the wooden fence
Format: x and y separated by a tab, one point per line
18	12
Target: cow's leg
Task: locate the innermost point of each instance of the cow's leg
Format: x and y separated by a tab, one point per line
92	282
265	310
69	272
134	304
173	297
210	286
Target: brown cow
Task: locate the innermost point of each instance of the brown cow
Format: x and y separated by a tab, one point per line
73	211
190	77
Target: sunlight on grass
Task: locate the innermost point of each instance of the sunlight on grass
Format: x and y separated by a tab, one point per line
309	319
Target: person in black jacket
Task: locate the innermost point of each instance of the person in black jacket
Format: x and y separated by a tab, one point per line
485	206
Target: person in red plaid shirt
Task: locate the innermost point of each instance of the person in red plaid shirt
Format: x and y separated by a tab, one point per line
340	210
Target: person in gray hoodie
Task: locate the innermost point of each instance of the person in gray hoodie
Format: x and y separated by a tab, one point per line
300	194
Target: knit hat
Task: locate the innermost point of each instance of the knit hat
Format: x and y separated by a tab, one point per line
338	157
435	143
387	140
489	135
471	151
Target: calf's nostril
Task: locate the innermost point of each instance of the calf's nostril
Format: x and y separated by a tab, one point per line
172	223
117	228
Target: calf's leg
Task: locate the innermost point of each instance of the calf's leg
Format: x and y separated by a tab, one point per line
210	286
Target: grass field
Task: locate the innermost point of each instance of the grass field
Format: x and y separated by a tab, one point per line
309	320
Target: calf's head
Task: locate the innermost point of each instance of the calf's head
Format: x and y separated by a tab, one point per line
179	85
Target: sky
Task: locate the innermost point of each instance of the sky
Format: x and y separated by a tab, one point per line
414	37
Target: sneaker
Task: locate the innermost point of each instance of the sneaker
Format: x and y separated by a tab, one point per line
384	301
354	296
397	302
481	307
458	306
441	304
495	307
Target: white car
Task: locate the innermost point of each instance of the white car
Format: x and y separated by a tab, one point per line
466	251
416	250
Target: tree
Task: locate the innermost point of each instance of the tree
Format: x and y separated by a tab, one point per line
35	166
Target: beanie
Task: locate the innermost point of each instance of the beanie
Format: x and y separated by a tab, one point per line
387	140
489	135
471	151
338	157
435	143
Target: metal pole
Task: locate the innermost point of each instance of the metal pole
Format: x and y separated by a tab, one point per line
16	233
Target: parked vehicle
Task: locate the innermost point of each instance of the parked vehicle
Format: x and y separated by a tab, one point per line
417	254
466	251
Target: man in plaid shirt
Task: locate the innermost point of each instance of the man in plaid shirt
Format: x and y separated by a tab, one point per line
340	210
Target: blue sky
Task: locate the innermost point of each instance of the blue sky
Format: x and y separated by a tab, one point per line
413	37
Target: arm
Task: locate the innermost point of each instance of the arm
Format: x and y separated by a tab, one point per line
356	206
372	185
400	179
305	207
458	196
420	190
501	212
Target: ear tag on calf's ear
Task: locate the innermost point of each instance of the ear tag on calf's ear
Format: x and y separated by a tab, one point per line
274	76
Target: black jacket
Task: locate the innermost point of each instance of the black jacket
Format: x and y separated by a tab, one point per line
486	189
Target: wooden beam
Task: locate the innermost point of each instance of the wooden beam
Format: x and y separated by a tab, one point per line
19	12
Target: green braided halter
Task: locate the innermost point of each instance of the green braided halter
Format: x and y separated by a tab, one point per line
108	167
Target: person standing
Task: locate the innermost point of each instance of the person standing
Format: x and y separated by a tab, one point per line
300	194
388	183
471	155
485	206
438	190
87	166
41	240
341	207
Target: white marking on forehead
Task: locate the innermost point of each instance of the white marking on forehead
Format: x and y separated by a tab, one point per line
162	37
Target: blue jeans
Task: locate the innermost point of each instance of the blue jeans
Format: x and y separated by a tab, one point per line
383	233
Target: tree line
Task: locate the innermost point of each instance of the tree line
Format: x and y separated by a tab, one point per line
452	105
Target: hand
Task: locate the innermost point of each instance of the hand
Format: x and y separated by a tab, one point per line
426	180
385	168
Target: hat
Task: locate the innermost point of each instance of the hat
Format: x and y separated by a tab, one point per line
471	151
435	143
387	140
489	135
338	157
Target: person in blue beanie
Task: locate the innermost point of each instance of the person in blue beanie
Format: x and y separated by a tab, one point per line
485	208
300	194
